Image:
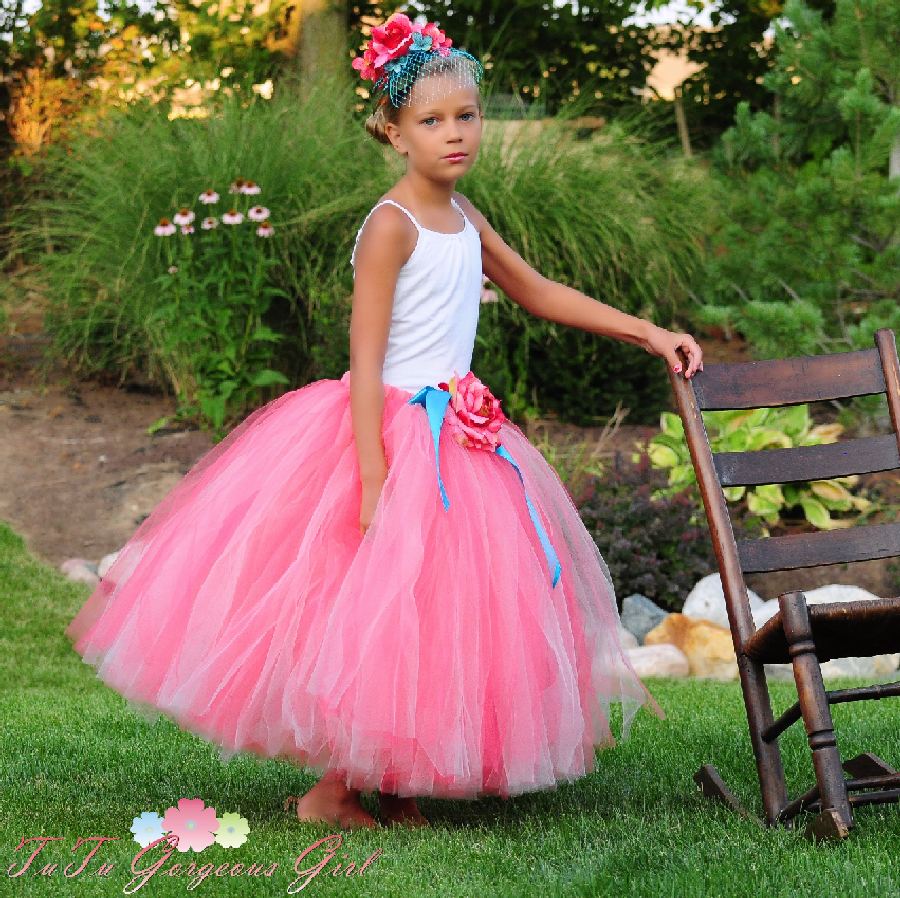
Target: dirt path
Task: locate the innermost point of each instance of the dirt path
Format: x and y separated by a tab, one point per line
78	470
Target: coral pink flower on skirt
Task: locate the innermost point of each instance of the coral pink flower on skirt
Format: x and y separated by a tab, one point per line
430	656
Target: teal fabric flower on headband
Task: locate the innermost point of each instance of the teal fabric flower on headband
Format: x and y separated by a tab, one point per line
421	41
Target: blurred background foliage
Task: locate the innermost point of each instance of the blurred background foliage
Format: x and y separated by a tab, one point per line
756	199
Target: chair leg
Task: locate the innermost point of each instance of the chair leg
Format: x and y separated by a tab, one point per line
836	818
769	766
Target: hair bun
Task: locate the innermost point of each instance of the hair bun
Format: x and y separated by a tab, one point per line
375	125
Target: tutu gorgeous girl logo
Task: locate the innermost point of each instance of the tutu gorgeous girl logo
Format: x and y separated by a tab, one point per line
190	826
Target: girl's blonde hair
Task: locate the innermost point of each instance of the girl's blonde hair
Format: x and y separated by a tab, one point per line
386	112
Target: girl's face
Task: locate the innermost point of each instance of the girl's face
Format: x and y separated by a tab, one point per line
428	131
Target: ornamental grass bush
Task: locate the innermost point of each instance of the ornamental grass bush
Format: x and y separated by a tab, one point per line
614	217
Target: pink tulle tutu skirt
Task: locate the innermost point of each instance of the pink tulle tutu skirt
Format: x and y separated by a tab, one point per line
430	656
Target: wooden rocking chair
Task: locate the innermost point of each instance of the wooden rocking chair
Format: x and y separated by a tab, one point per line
803	635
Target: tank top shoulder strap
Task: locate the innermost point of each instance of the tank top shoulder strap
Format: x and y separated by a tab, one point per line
462	212
409	214
412	218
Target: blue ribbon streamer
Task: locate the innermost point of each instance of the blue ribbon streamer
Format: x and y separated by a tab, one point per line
434	401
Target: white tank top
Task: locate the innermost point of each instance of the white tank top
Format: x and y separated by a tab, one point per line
436	304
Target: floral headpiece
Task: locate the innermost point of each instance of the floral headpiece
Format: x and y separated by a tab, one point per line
398	51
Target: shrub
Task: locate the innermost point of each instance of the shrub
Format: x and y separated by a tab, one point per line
656	545
86	221
612	217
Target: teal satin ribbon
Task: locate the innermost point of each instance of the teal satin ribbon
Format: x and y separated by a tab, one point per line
435	401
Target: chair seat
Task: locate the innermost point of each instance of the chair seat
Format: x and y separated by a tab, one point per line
840	630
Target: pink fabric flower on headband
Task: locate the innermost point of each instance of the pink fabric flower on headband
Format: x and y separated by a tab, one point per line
394	39
473	412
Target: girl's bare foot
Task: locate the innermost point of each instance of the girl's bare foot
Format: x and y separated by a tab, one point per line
330	801
394	809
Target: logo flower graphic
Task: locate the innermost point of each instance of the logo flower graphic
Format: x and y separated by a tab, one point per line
232	831
473	413
147	828
193	823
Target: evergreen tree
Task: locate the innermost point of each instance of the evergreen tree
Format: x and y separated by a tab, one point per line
808	257
732	57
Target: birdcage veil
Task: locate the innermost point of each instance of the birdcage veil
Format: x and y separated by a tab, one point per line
414	63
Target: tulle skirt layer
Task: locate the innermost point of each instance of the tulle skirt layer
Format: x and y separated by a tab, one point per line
430	656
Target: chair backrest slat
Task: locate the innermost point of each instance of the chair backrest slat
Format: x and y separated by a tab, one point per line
777	382
862	456
781	553
789	382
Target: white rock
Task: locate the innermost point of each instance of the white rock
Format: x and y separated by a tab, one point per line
837	592
77	569
874	669
887	664
834	592
72	563
106	562
859	667
779	671
662	660
762	613
707	601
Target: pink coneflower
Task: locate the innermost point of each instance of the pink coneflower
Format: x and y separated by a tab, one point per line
187	229
209	196
165	228
183	216
258	213
487	295
251	188
209	223
233	217
173	269
265	230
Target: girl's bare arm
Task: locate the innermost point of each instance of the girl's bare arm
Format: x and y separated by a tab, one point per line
386	242
558	302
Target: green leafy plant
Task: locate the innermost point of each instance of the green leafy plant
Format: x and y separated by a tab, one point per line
761	429
213	295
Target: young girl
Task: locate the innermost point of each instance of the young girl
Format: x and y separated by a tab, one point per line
379	577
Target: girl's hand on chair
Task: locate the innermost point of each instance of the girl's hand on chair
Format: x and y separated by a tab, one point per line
667	343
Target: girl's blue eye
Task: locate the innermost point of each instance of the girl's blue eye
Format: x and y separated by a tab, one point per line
432	118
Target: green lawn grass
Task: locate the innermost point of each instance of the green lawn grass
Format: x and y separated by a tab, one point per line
74	761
